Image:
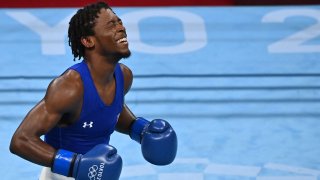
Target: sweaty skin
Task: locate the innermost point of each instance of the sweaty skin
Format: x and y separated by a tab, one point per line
61	105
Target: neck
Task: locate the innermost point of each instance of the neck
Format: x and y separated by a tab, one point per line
101	69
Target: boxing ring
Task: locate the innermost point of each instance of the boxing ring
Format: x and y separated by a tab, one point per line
240	85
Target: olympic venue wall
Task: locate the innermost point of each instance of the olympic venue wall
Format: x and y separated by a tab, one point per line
260	62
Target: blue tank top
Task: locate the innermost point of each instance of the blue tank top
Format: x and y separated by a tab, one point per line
97	120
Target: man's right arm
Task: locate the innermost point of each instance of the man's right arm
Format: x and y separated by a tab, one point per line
62	96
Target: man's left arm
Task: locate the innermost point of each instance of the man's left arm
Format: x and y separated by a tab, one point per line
157	137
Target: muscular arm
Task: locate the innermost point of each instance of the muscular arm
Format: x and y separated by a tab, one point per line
62	97
157	138
126	117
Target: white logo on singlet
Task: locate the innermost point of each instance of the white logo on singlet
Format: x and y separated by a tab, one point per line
85	124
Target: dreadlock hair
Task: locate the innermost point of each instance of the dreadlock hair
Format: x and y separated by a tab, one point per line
81	25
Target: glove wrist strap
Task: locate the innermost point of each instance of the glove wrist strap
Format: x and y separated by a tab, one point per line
63	161
137	129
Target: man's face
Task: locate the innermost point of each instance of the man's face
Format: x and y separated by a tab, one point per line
110	35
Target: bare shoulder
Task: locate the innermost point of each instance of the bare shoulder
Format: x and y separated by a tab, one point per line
126	71
65	92
128	77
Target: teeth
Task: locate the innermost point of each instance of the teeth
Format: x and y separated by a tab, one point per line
122	40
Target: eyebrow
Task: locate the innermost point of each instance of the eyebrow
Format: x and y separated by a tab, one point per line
111	21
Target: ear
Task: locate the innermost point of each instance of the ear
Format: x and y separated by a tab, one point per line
87	41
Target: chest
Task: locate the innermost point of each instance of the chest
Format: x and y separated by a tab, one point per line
107	92
98	123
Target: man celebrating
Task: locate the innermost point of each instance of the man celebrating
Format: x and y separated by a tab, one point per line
84	105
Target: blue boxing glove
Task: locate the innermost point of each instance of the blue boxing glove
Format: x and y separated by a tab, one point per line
101	162
158	140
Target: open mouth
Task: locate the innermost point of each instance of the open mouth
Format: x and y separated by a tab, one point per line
123	40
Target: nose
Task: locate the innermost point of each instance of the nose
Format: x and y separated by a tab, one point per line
120	27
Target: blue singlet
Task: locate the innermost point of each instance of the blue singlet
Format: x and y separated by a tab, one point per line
97	120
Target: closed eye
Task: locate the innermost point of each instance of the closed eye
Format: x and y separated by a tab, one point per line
112	24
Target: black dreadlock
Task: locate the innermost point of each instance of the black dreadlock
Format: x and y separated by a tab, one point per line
81	25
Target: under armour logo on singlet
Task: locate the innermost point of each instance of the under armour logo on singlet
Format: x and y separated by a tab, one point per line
85	124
